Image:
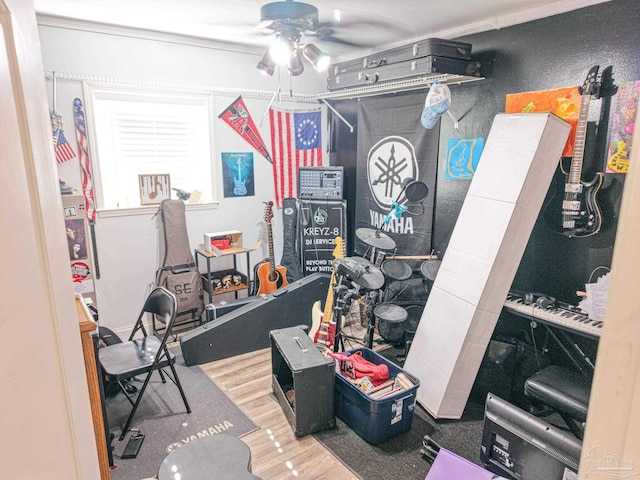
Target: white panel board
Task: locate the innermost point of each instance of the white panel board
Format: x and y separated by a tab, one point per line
486	246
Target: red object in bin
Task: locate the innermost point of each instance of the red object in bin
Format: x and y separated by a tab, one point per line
221	244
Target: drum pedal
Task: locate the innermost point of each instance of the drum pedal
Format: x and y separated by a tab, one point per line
133	446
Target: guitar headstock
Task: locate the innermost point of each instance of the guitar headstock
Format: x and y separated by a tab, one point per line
338	251
268	211
588	87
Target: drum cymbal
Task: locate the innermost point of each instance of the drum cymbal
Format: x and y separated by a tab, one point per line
375	238
361	271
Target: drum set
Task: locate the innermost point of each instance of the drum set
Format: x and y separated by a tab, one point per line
368	277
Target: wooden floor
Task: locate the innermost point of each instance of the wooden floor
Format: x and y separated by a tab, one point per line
276	453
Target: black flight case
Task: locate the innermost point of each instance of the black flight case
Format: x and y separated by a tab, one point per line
432	56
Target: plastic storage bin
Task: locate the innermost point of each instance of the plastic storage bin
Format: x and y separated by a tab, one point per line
375	420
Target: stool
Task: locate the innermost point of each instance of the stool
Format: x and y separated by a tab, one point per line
219	456
565	391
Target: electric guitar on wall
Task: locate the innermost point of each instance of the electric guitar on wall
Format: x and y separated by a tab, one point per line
267	275
323	326
579	214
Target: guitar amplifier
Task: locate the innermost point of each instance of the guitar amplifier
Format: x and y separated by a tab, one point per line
302	380
320	183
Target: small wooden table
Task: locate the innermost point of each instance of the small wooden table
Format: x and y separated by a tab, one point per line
220	456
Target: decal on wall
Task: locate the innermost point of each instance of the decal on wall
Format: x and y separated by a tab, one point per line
237	174
463	155
622	127
394	148
237	117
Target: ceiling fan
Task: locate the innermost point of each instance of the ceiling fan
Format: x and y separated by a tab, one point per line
291	22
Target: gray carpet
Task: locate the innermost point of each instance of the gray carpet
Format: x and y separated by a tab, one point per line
399	456
162	418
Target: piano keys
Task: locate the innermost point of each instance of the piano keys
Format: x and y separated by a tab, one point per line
561	314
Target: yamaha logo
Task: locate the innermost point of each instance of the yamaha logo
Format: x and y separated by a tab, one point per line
390	162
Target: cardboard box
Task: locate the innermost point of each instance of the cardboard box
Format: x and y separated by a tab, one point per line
234	237
485	249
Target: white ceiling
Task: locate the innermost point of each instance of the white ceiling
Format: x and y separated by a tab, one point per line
373	24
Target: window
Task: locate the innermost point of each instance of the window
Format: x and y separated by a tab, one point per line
149	133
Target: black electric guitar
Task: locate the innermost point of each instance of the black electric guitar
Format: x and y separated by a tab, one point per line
578	213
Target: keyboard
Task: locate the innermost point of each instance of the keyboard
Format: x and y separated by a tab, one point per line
561	314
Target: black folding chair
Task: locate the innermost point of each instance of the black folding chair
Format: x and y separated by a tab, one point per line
143	356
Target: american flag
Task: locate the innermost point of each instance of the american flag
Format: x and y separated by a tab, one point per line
63	150
295	142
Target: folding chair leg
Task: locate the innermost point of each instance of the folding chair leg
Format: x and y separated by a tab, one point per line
135	406
179	385
164	380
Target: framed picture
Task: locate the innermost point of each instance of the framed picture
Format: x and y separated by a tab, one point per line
154	188
237	174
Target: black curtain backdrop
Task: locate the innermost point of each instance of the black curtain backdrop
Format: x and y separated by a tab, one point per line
393	148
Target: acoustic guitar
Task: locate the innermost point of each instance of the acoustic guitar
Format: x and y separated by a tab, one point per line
269	277
323	326
576	213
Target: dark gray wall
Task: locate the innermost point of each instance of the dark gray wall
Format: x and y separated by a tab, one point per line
554	52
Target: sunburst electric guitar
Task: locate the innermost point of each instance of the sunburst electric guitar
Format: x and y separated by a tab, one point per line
323	326
578	213
269	277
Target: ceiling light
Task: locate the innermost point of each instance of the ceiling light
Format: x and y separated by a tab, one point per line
281	50
316	57
266	65
296	66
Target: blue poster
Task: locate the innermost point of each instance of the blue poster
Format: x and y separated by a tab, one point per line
237	174
463	155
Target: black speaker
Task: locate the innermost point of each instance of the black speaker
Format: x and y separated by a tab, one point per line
246	329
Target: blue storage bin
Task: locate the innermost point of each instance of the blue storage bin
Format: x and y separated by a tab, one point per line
375	420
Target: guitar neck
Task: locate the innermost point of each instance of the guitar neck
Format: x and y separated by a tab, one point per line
575	172
272	264
328	304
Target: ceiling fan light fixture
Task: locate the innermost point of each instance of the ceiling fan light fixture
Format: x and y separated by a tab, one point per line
266	65
316	57
281	50
295	66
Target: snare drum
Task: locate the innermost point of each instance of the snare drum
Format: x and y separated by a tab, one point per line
390	312
396	269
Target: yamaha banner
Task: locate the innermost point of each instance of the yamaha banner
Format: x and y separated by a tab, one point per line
393	149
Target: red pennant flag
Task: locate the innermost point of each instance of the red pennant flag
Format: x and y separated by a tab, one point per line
237	116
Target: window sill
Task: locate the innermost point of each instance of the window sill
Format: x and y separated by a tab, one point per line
151	209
